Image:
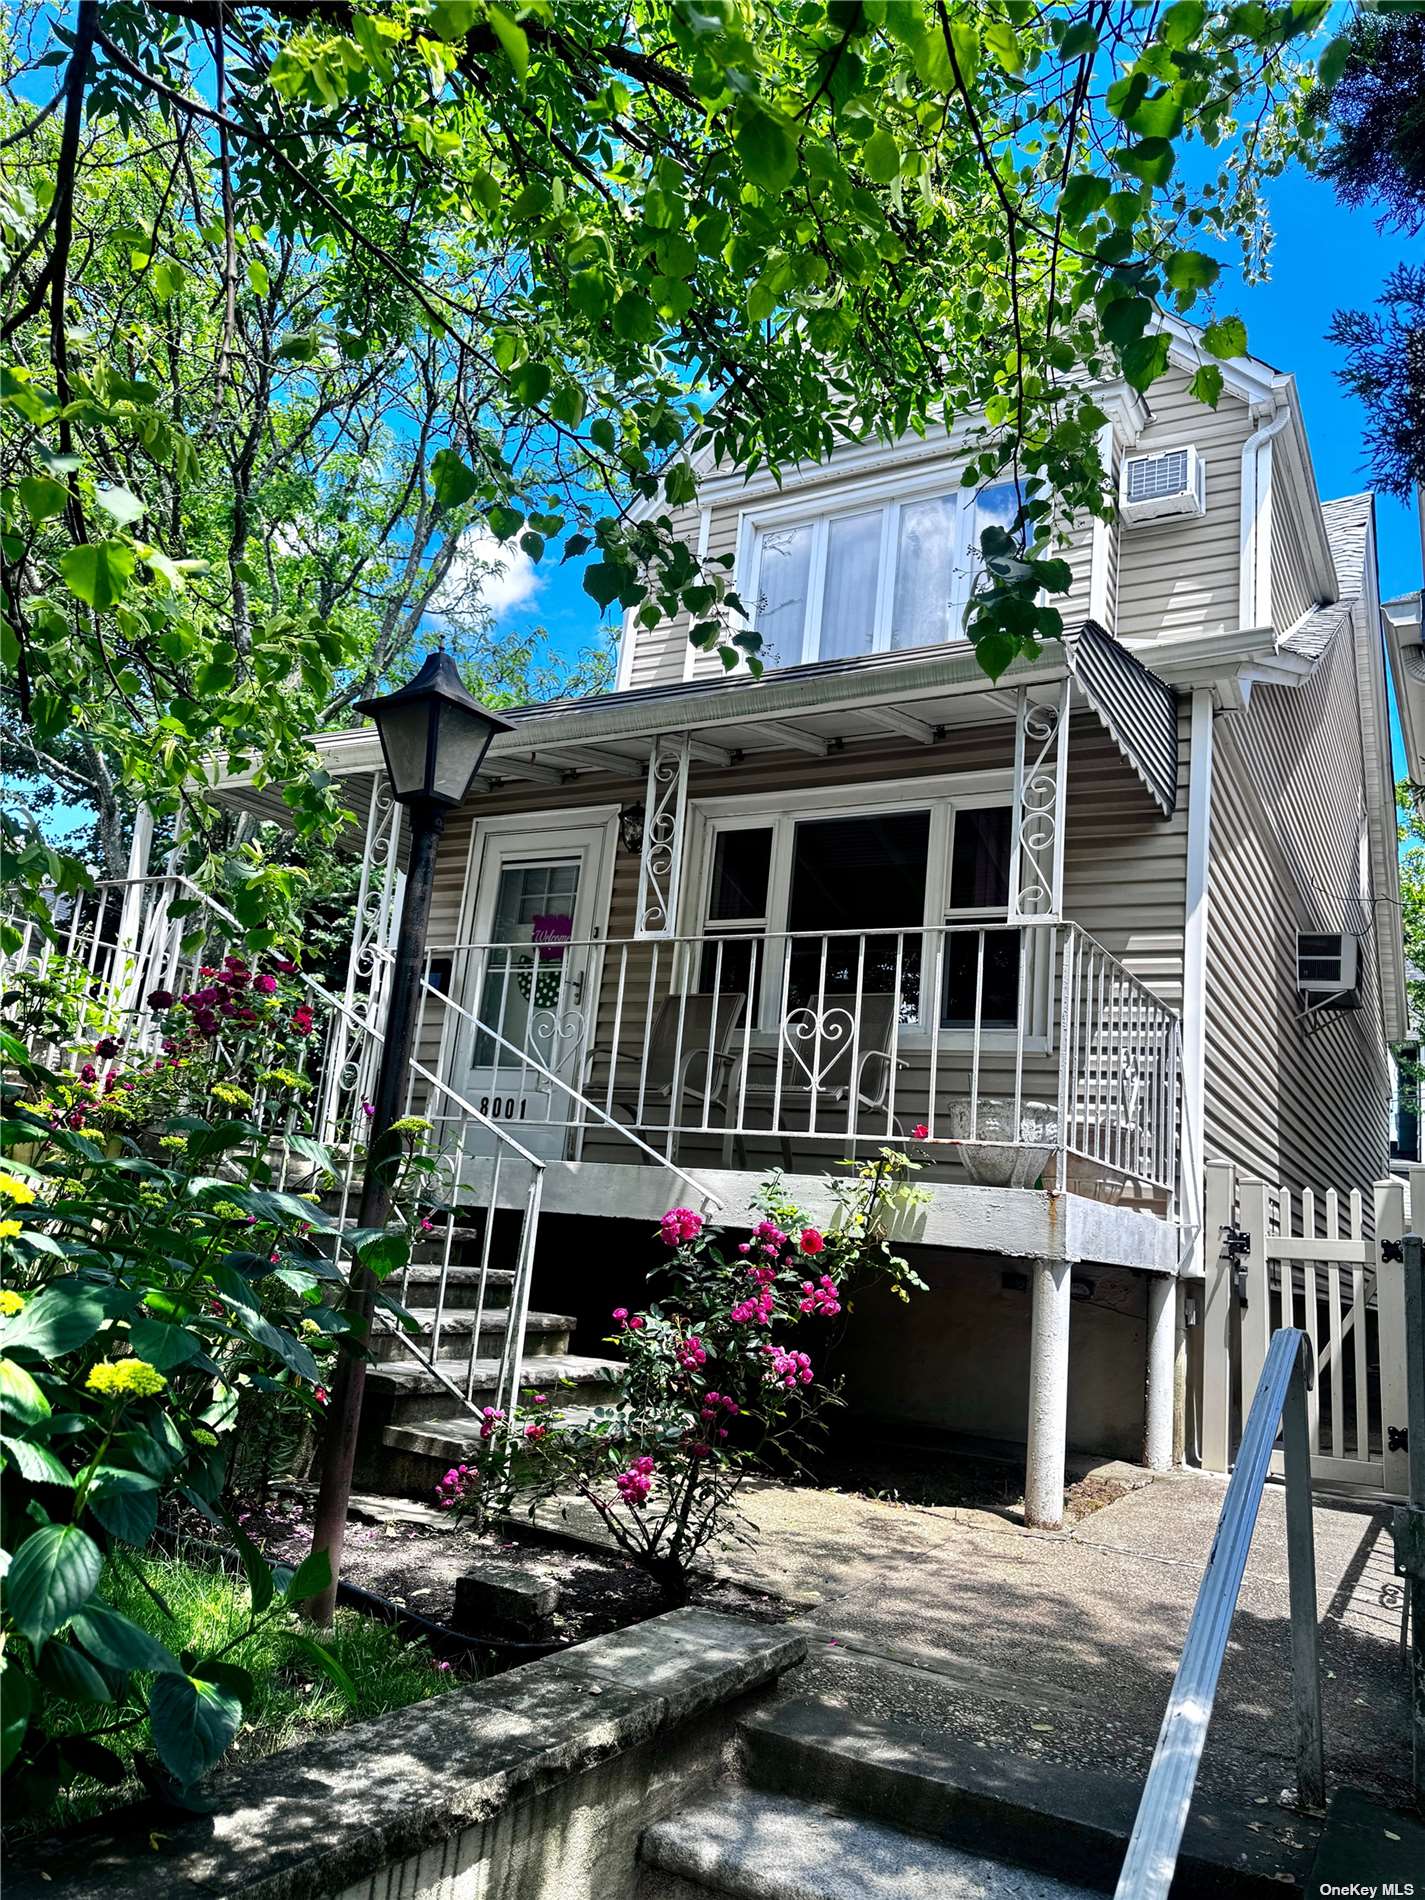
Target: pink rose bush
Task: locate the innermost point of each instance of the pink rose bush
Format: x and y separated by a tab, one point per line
722	1376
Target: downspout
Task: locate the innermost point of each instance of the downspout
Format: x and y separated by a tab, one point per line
1194	1107
1254	581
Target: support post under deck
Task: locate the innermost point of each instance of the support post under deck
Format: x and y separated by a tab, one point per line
1048	1395
1162	1361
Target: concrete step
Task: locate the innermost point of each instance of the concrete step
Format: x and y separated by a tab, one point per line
404	1392
755	1846
544	1333
1068	1822
462	1285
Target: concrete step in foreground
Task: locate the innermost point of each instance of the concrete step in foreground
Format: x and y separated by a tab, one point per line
1070	1823
755	1846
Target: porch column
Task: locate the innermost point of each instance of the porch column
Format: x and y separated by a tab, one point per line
1162	1368
1048	1395
660	873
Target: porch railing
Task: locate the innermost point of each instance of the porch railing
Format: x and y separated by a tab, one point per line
117	943
1026	1050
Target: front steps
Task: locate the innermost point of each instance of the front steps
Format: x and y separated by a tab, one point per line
832	1805
414	1427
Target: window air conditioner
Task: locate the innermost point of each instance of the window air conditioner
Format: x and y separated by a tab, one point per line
1326	965
1151	487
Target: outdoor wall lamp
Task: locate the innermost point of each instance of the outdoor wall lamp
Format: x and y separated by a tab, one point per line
434	737
630	827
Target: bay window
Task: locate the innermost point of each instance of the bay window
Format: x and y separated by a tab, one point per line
866	579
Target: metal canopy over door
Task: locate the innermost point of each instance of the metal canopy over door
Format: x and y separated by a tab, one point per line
527	976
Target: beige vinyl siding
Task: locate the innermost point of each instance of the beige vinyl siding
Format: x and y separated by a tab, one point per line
1301	1102
1179	576
658	651
1292	594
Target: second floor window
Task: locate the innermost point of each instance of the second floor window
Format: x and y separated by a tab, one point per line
872	579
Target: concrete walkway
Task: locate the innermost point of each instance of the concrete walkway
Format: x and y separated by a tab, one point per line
1064	1644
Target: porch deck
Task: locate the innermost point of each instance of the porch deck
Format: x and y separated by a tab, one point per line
1022	1223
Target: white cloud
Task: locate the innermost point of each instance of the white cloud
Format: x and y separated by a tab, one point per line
495	574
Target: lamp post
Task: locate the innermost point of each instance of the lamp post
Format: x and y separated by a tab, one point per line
434	737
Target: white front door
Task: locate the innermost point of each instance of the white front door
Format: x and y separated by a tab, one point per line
529	978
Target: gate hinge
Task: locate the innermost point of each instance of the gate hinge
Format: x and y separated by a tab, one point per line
1392	1250
1397	1438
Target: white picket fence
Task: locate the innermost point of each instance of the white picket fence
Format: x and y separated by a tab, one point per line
1282	1257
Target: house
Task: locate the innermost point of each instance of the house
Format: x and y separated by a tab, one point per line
1067	934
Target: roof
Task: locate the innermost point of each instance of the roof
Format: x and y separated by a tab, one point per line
1348	525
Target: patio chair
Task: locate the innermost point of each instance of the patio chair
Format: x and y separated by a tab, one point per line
836	1058
689	1054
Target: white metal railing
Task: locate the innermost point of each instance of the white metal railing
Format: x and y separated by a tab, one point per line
1278	1404
996	1040
124	940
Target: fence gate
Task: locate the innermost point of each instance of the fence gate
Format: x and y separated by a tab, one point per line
1282	1257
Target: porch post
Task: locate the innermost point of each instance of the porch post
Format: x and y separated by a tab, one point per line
665	812
1162	1368
1048	1395
1036	832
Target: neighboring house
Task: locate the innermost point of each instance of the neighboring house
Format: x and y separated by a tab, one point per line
1130	907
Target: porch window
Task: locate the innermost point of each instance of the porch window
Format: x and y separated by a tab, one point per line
737	908
870	579
982	966
861	875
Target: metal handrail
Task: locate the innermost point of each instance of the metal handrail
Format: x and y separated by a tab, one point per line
1279	1404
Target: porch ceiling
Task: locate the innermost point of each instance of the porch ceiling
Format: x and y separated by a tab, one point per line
920	699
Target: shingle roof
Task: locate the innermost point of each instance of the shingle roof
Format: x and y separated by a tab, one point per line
1348	521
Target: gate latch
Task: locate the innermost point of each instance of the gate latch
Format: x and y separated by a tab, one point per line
1237	1244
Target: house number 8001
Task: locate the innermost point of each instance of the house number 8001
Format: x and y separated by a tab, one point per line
502	1108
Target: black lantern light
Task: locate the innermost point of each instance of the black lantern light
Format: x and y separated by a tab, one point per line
434	734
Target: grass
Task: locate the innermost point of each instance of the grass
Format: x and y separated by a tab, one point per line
291	1701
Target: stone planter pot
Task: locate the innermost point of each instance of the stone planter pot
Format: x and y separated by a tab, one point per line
987	1158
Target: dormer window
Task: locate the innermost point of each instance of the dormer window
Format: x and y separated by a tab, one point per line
861	578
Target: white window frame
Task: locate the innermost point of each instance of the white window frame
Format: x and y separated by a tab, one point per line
942	797
887	494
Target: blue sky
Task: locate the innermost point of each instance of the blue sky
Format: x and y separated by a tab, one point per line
1323	257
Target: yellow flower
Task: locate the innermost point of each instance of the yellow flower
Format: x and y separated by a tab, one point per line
10	1303
18	1191
9	1229
202	1436
125	1378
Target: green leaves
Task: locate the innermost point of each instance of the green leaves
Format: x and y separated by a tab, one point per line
55	1572
41	497
452	481
767	148
881	157
1189	272
1226	338
192	1722
1081	197
98	572
1145	360
120	1644
1206	384
66	1315
513	39
505	523
121	507
125	1503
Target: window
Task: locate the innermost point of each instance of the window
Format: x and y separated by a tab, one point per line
870	579
857	892
981	966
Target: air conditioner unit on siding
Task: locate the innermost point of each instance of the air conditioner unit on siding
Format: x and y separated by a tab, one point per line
1327	968
1151	487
